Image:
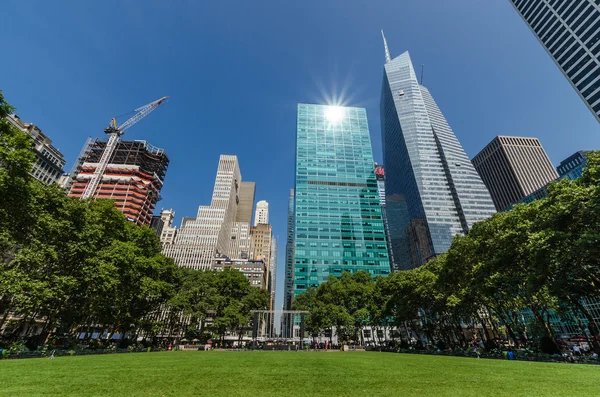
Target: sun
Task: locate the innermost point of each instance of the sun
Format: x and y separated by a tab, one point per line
334	114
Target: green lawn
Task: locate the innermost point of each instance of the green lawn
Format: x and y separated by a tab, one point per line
291	374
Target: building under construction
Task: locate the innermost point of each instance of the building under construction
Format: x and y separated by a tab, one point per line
133	177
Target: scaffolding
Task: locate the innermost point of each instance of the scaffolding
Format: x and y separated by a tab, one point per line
133	176
150	159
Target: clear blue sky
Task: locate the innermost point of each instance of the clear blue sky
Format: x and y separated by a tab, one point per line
235	71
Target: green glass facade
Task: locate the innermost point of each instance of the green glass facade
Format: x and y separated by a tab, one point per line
338	222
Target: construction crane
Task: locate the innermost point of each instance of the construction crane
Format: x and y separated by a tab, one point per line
115	134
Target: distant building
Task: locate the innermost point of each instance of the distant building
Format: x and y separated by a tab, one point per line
262	213
262	247
570	168
254	270
240	243
207	236
569	30
380	176
246	202
50	162
288	293
169	232
512	168
163	221
272	287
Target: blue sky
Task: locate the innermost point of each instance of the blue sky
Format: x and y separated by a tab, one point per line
235	71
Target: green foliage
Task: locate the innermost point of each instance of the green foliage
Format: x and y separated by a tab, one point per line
226	298
70	262
542	258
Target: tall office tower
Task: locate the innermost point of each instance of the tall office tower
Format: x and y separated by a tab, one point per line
240	243
49	164
569	30
208	236
338	221
512	168
432	190
133	178
246	204
262	213
570	168
288	290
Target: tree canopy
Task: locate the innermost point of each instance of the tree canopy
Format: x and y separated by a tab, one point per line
511	274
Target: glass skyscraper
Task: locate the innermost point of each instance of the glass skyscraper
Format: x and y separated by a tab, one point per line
432	190
569	30
338	222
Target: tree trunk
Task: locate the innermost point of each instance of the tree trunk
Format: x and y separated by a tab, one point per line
5	316
542	322
511	334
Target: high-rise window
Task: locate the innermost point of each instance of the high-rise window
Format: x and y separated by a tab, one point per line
570	33
432	190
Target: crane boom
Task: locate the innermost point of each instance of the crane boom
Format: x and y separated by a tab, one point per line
115	133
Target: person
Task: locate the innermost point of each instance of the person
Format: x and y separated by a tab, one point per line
576	350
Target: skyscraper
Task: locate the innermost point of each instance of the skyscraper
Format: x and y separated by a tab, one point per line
239	245
262	213
569	30
338	221
432	190
133	178
288	293
572	167
208	236
512	168
246	204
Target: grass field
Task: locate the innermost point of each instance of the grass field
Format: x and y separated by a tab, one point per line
291	374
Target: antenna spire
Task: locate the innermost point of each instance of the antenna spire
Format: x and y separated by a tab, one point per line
422	71
388	57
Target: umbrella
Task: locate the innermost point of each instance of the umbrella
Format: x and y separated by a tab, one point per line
184	340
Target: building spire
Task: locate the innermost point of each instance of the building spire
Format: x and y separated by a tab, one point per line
388	57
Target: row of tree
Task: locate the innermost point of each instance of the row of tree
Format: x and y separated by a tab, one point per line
511	275
78	266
